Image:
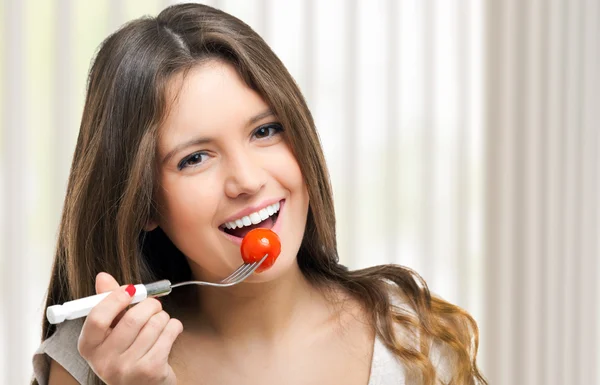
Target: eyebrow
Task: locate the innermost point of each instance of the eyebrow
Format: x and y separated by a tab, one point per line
259	117
204	140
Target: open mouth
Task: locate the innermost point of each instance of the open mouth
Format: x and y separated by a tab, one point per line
264	218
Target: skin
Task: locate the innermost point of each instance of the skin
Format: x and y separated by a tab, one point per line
275	327
238	168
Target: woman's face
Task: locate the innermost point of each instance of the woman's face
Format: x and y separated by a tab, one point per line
222	157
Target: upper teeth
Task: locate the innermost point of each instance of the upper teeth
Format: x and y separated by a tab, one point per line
254	218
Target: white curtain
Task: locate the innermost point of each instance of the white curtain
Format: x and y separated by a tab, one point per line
542	125
461	136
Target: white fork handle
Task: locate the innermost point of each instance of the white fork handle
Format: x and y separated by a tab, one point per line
81	307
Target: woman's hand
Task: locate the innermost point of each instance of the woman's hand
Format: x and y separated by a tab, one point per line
128	347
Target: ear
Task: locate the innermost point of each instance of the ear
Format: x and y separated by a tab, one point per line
150	225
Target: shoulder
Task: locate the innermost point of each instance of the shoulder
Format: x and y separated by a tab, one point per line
411	334
61	347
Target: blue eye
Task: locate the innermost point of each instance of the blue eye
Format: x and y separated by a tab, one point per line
267	130
191	160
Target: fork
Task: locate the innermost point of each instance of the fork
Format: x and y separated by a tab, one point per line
240	274
81	307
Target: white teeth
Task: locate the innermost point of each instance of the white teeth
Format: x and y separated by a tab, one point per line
263	214
254	218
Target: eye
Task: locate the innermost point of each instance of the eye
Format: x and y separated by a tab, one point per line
267	130
192	160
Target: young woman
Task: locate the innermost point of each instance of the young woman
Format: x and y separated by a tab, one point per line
190	124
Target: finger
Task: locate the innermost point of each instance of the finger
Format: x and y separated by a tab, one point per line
159	353
128	328
148	336
105	282
96	326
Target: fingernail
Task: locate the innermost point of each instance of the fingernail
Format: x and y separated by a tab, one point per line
130	290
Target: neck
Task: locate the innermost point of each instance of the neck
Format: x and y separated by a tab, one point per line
262	311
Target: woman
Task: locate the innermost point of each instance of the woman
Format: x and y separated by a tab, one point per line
190	124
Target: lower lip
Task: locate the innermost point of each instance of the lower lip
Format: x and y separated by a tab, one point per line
275	229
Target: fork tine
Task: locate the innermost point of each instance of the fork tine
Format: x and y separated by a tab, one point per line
238	273
243	272
235	273
246	274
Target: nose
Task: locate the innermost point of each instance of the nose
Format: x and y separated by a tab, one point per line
245	175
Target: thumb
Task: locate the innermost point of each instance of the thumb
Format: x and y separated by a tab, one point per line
105	282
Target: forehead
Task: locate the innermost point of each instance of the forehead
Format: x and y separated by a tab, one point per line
210	100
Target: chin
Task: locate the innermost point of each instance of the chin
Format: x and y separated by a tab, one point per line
283	266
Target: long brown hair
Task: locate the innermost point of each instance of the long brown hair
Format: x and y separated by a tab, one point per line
110	191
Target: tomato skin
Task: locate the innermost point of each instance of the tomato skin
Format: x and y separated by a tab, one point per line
256	244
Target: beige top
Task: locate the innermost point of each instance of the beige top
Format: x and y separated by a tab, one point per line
386	369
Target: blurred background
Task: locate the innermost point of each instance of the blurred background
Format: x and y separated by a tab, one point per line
462	138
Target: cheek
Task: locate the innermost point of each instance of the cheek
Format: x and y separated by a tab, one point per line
187	213
186	203
287	170
290	177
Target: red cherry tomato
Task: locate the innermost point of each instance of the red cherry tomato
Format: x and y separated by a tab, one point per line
256	244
